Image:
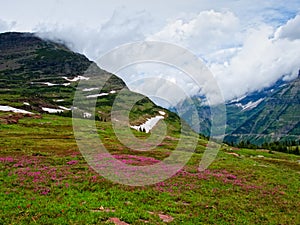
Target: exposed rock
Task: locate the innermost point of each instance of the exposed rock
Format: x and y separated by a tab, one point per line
166	218
14	118
233	153
117	221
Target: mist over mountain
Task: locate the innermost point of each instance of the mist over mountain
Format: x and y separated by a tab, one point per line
266	116
269	115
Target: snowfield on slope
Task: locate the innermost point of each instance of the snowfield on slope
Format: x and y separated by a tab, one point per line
150	123
76	78
250	105
50	110
96	95
12	109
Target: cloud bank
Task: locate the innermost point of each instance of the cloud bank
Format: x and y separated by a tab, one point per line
242	61
121	28
248	45
6	26
206	32
266	55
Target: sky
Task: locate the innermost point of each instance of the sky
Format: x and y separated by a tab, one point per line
247	45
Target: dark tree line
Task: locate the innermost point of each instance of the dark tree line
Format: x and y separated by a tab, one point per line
291	147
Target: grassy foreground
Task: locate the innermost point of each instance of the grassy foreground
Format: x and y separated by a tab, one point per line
45	180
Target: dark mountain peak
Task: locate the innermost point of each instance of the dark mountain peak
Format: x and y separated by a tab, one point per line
26	55
15	40
19	42
16	35
32	66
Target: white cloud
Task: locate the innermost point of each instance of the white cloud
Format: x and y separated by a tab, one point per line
260	62
121	28
291	30
206	32
6	26
242	59
163	81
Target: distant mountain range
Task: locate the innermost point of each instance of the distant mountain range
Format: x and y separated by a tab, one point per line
272	114
269	115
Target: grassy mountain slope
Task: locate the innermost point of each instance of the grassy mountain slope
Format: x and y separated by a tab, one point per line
43	74
33	70
45	180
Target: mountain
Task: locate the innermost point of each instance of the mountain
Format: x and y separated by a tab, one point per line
40	76
268	115
41	73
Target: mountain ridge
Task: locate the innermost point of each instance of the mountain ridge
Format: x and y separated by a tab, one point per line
42	76
276	117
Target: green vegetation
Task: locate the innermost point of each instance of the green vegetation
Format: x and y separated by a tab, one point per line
45	180
291	147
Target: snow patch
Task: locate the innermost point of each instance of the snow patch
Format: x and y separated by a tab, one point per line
76	78
12	109
283	85
97	95
238	99
26	103
149	124
59	100
112	92
64	108
90	89
162	113
51	84
87	115
250	105
50	110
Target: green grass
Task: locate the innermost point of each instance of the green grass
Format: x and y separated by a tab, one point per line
45	180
